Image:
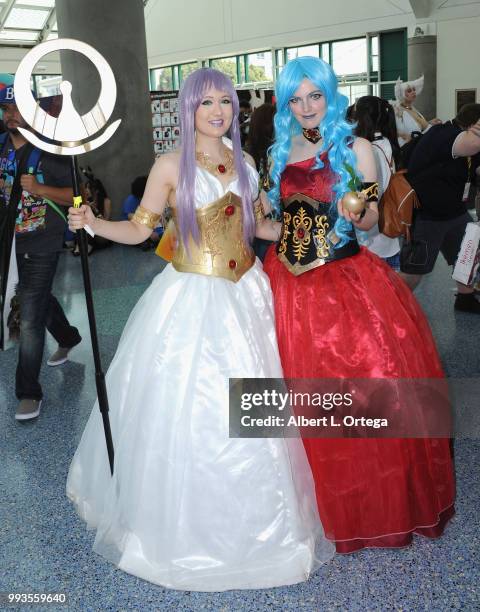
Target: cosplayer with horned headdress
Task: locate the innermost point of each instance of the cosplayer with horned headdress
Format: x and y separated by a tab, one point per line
408	118
188	507
341	312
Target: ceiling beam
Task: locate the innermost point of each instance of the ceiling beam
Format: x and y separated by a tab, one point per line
421	8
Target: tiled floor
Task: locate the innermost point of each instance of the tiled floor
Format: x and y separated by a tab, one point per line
44	547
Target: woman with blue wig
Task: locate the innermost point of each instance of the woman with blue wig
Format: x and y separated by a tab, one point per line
341	312
188	507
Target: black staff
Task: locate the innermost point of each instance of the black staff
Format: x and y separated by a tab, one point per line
99	375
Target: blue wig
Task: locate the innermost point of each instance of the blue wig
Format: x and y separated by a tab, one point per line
335	131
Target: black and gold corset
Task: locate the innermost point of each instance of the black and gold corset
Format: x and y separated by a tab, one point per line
307	239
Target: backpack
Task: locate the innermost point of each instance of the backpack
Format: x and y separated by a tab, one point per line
395	208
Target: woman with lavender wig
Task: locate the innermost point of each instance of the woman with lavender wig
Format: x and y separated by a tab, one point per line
188	507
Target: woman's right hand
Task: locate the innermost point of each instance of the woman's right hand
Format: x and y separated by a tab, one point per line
78	218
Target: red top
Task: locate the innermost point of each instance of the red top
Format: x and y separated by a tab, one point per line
299	177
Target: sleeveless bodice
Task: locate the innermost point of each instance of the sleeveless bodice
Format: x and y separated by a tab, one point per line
308	239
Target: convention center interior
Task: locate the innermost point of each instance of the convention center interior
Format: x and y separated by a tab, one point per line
240	305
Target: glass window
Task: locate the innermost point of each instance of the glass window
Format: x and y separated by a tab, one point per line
227	65
47	3
26	18
353	91
374	54
185	69
240	69
350	56
48	85
18	35
162	79
326	52
294	52
260	67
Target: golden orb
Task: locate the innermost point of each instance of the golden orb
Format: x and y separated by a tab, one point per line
353	202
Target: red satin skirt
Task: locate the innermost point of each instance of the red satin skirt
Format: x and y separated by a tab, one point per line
355	318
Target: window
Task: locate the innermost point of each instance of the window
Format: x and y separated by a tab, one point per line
48	85
353	91
162	79
374	54
312	50
349	56
279	60
227	65
259	67
185	69
325	52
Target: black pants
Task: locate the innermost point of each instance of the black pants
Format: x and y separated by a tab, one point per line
39	310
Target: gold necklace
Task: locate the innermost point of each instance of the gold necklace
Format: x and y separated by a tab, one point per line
221	168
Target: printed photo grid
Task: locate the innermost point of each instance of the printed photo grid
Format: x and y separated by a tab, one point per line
165	121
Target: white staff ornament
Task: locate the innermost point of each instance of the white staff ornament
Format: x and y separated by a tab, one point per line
71	134
70	130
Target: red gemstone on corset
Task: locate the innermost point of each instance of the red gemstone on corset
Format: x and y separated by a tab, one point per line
300	233
221	168
229	210
232	264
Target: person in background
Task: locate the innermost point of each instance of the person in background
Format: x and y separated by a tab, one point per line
375	121
443	163
34	186
260	138
244	120
130	205
407	117
101	205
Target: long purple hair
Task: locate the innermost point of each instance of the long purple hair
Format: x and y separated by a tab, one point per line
191	94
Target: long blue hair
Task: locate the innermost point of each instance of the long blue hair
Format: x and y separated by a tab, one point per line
335	131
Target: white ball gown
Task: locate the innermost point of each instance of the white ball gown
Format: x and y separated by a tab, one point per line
188	507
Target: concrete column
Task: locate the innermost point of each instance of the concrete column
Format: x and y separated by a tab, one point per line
422	59
117	31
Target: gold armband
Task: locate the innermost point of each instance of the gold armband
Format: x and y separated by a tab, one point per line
370	191
259	212
146	217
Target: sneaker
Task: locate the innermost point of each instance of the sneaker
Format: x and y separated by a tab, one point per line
467	302
60	355
28	409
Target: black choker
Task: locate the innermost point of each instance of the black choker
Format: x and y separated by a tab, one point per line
312	135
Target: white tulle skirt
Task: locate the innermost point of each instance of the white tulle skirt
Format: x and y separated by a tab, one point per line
188	507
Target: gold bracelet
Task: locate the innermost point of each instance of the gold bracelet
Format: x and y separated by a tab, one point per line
146	217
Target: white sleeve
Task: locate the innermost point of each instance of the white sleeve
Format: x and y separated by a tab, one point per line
383	168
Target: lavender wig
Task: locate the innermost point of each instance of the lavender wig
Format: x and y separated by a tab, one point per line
191	95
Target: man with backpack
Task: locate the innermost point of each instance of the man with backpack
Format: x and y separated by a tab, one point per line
34	188
440	170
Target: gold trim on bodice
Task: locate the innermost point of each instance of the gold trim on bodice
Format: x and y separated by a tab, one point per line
221	250
308	239
302	229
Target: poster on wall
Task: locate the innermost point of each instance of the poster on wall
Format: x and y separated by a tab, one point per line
464	96
165	130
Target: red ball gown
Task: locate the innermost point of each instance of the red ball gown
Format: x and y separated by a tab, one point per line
355	318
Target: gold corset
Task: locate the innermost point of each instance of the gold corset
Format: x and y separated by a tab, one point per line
222	250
